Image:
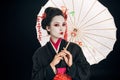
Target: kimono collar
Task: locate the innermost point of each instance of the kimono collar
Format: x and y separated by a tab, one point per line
56	45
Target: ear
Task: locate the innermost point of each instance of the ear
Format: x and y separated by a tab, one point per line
48	28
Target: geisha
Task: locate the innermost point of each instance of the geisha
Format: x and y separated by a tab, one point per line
53	58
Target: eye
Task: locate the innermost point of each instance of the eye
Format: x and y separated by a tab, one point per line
56	25
64	24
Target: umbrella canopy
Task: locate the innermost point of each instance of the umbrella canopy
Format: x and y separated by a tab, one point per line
90	25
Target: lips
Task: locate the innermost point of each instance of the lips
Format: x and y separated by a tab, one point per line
61	33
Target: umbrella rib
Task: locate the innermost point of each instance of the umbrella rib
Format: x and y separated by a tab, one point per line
91	52
71	18
63	3
68	14
53	3
93	17
100	36
99	43
43	7
94	47
73	10
88	12
88	49
70	22
100	29
98	22
80	11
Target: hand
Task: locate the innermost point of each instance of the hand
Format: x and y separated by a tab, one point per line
58	57
67	57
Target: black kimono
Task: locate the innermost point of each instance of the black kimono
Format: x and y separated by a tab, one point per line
80	69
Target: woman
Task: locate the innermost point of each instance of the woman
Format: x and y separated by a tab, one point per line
53	58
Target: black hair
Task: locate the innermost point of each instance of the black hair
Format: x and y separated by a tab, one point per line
50	12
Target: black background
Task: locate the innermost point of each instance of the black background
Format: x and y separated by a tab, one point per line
18	40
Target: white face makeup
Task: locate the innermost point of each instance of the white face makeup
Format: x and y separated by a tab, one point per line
57	27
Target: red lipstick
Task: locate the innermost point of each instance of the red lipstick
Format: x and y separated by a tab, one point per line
61	33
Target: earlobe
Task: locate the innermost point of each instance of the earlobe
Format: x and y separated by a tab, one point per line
47	28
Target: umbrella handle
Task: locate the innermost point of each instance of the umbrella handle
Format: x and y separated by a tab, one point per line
68	43
73	34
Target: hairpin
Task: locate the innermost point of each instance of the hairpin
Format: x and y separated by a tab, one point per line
64	10
65	14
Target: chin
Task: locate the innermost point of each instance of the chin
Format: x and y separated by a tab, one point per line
61	37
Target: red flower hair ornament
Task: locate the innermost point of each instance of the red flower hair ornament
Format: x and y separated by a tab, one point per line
64	13
43	16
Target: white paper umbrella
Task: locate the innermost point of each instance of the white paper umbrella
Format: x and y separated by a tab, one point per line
90	21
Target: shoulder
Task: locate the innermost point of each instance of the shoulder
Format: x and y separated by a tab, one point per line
75	46
72	45
39	51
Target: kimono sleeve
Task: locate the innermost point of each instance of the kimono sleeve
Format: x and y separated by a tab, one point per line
80	70
40	72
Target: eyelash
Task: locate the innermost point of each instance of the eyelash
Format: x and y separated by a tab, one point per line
56	25
64	24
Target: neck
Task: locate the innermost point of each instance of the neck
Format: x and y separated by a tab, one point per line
56	43
54	39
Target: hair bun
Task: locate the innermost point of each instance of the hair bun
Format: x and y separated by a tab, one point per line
50	13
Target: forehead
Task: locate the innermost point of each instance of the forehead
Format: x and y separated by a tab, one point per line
58	18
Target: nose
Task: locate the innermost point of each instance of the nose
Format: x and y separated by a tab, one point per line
60	28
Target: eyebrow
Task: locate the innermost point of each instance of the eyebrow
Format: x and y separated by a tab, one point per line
59	22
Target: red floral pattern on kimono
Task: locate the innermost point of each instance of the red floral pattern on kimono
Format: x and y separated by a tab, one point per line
61	74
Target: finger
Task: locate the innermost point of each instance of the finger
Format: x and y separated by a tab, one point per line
60	58
65	58
66	51
61	54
